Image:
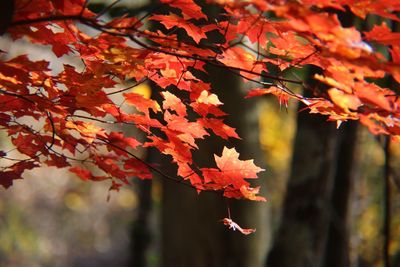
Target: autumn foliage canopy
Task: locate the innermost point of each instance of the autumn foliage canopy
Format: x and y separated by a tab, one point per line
64	118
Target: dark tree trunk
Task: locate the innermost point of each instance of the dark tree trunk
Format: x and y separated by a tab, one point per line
301	238
141	232
337	251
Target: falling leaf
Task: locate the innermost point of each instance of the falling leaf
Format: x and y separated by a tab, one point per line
234	226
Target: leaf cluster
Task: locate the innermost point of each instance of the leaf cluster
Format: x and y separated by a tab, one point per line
62	119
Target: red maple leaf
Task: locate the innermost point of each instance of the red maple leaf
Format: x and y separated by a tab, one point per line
172	20
188	7
235	169
231	174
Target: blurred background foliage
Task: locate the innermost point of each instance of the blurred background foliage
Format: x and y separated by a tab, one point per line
53	219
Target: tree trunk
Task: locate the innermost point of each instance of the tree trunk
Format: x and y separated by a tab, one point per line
141	232
192	234
301	238
338	247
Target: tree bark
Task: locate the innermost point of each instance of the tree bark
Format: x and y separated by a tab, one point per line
141	230
301	238
338	247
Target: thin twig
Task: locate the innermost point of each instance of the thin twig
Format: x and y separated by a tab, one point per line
132	86
17	95
53	128
152	168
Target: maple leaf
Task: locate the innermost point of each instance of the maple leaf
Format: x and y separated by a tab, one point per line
219	127
182	125
231	175
26	144
290	45
120	142
240	58
206	104
87	130
382	8
110	165
234	226
57	161
7	178
86	175
15	172
230	164
187	173
137	168
170	21
282	96
178	148
70	6
44	34
251	193
256	28
141	103
345	101
174	103
383	34
188	7
372	94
